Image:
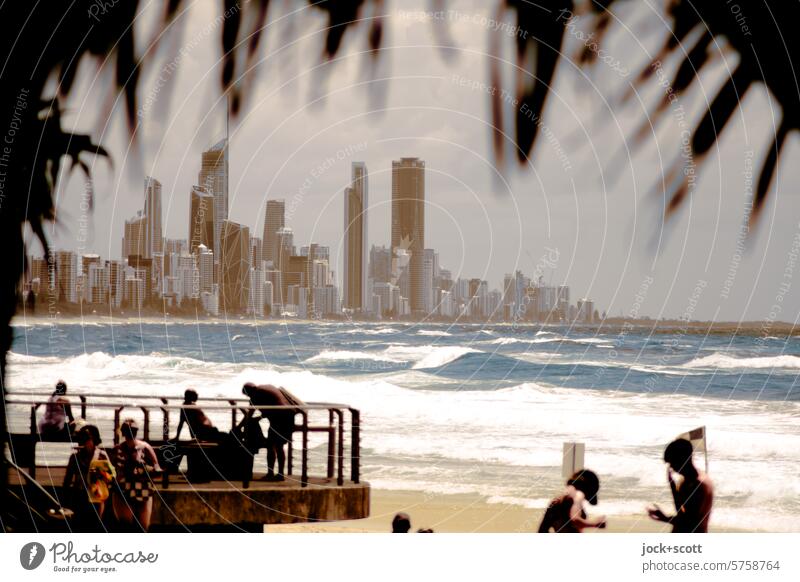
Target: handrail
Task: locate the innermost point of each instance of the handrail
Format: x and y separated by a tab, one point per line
334	428
84	395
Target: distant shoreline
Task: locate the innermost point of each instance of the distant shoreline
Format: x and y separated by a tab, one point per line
610	326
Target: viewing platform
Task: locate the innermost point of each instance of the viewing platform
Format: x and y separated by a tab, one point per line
205	487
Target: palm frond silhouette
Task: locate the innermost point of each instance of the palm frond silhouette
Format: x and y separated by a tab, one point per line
44	44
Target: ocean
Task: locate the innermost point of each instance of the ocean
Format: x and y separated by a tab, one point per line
482	408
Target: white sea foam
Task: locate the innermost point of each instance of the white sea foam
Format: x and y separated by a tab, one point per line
434	333
504	341
443	355
421	357
344	355
568	340
718	360
372	331
503	443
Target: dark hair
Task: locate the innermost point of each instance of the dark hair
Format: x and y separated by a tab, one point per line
129	429
91	431
190	395
61	387
425	530
678	453
588	483
248	387
401	523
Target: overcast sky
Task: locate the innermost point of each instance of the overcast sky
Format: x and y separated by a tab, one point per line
606	227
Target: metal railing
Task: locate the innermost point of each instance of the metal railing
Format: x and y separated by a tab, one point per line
335	427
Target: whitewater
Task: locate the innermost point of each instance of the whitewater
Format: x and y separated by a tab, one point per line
481	409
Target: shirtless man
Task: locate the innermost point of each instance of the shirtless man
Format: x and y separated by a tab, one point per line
694	496
566	513
281	423
200	426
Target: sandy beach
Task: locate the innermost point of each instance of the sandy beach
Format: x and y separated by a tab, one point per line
462	513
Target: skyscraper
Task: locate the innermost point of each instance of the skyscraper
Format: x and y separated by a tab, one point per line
201	219
154	235
380	264
213	179
67	276
430	265
256	253
408	222
356	202
134	236
234	266
205	263
274	220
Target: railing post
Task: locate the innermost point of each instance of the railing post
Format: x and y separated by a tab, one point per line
83	406
116	424
146	412
355	445
290	447
165	438
233	413
304	468
34	438
331	443
340	452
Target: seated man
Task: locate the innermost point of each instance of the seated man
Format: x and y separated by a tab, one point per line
281	423
57	413
200	426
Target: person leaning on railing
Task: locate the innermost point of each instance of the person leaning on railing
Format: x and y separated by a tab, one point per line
281	422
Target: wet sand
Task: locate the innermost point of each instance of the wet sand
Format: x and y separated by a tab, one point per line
462	513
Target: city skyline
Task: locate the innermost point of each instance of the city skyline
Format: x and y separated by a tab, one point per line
237	272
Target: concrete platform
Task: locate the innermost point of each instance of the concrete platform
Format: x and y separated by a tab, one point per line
227	505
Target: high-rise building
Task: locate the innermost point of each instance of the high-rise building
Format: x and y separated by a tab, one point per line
274	220
205	265
268	297
320	275
256	253
176	245
285	250
189	278
585	310
276	278
234	266
380	264
134	237
96	283
154	235
143	269
430	268
255	295
356	202
134	291
213	178
116	282
408	222
201	219
67	276
325	300
388	295
41	282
